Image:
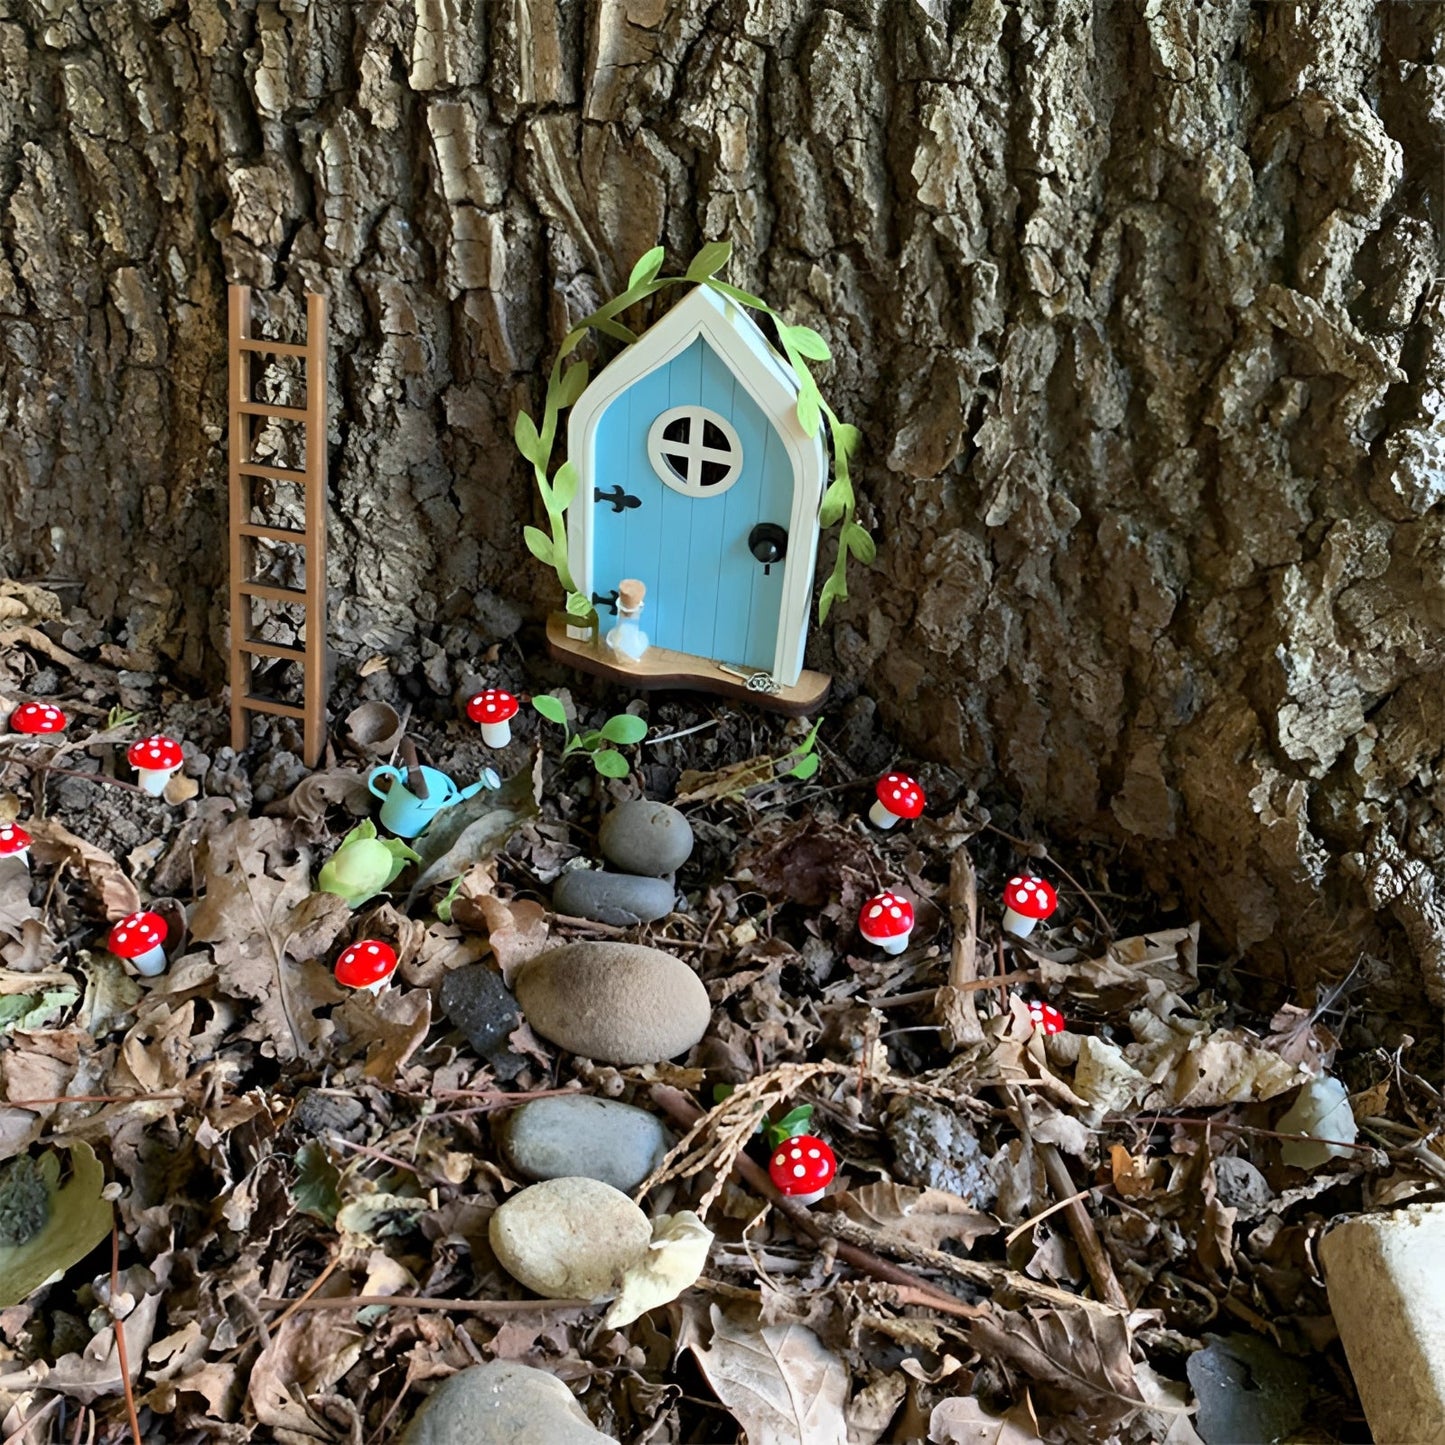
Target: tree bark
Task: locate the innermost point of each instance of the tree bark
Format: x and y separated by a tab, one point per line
1135	301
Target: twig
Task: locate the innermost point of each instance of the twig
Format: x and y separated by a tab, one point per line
1249	1129
15	1436
1043	1214
977	985
956	1009
311	1290
1081	1226
119	1326
371	1153
684	733
40	767
425	1302
87	1099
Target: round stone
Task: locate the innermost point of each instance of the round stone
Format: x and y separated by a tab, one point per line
647	838
502	1403
622	899
569	1238
618	1002
576	1134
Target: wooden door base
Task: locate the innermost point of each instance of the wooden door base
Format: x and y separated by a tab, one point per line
662	668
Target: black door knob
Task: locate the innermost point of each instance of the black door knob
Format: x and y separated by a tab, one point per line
768	542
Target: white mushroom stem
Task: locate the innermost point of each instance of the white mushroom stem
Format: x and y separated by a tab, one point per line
812	1198
151	962
376	988
1017	924
880	817
497	734
896	944
154	780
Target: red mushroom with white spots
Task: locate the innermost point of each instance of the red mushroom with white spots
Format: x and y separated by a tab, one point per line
494	709
14	842
1047	1019
898	797
140	937
802	1167
368	964
37	718
1026	901
887	921
155	760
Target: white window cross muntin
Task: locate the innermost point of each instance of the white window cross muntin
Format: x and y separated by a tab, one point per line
679	464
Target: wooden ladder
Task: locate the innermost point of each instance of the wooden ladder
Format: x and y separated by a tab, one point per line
245	415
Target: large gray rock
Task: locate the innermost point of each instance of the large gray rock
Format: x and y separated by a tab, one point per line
618	1002
569	1238
644	837
580	1135
502	1404
621	899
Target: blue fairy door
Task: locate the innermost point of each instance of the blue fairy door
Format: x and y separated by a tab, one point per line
693	491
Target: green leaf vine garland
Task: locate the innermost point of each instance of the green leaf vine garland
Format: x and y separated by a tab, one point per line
800	345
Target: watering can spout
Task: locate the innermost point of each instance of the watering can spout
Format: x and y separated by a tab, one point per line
489	779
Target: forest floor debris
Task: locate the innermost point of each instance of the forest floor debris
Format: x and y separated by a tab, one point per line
1101	1234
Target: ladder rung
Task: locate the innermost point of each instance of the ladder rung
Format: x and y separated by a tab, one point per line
270	593
275	348
273	649
272	534
277	474
271	705
266	408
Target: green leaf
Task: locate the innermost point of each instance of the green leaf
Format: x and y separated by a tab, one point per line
860	544
539	544
574	383
616	330
845	439
550	708
807	341
564	485
738	294
610	764
710	260
578	605
809	412
316	1190
524	433
807	767
589	740
647	267
792	1124
72	1220
833	589
835	503
624	728
444	908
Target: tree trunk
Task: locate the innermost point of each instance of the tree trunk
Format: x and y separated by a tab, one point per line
1133	300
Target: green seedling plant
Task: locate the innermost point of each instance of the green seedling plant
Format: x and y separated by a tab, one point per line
364	865
622	729
804	758
565	384
120	717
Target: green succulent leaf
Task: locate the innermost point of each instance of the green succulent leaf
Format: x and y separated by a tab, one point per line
364	865
624	728
647	267
710	260
610	764
317	1190
807	342
550	708
539	544
859	543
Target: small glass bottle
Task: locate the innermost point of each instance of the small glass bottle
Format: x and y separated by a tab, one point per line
626	638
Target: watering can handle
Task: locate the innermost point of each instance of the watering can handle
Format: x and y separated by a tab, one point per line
385	770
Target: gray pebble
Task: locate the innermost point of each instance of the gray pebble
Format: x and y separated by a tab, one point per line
478	1003
622	899
502	1403
578	1134
647	838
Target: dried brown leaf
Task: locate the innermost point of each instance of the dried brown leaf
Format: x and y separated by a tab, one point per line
55	843
918	1216
1079	1359
961	1420
810	862
779	1382
317	792
516	931
390	1026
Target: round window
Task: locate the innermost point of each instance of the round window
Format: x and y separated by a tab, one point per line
695	451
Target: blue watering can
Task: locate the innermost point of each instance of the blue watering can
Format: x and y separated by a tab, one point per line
406	815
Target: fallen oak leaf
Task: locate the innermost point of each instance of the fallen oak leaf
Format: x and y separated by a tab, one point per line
54	843
961	1420
917	1216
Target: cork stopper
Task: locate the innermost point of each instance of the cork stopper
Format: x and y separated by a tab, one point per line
630	593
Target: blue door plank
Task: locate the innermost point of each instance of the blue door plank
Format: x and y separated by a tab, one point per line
766	592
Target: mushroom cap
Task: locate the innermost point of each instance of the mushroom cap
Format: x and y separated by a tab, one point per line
155	753
37	717
13	839
886	916
135	934
900	794
365	963
1046	1017
492	706
1029	896
802	1165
